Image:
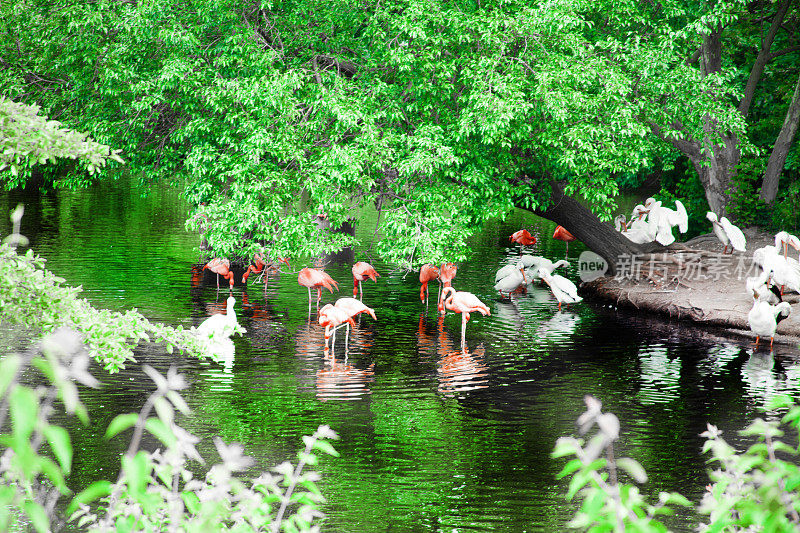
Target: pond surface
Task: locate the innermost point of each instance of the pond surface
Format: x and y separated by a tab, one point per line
432	438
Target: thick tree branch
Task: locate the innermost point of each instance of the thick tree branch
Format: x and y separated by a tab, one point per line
762	59
777	159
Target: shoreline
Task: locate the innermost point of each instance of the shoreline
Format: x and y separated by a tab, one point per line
694	281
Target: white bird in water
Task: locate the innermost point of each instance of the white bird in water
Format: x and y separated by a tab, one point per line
763	319
532	269
216	331
785	240
727	233
510	278
665	219
563	289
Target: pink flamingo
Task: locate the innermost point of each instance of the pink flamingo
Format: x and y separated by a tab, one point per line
361	272
221	267
446	274
464	303
262	266
562	234
313	278
426	274
522	237
341	313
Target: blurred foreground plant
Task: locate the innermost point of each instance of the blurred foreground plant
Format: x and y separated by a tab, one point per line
155	490
608	504
751	491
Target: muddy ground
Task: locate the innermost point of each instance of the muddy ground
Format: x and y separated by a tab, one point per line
695	281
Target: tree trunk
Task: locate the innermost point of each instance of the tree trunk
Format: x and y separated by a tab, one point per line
777	159
715	170
598	236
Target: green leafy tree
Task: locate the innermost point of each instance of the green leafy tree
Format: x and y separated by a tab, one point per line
28	139
439	115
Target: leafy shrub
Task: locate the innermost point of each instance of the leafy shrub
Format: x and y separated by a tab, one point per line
155	490
755	490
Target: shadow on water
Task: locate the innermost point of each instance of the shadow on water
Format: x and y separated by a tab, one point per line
433	437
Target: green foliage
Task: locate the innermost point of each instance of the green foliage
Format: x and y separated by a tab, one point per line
756	490
155	490
441	115
608	505
686	188
28	139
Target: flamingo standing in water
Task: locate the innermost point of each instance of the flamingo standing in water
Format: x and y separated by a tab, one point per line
221	267
361	272
342	313
446	274
562	234
262	266
426	274
313	278
522	237
464	303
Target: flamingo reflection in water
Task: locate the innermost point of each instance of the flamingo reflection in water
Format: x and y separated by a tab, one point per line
339	380
459	371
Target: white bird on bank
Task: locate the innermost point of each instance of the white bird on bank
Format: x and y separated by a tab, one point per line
563	289
510	277
665	219
641	231
620	224
781	271
763	319
727	233
784	239
761	289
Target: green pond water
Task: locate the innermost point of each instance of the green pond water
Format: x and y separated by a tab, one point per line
432	438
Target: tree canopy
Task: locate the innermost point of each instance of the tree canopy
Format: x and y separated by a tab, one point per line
439	115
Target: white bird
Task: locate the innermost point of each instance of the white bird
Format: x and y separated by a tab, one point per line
638	212
665	219
216	331
641	231
763	319
785	240
781	270
221	325
510	277
727	233
620	224
563	289
532	273
762	291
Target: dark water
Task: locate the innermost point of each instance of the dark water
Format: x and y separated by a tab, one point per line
432	438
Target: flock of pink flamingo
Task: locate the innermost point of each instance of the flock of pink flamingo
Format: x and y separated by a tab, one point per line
343	312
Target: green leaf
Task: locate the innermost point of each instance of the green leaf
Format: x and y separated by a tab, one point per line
9	366
191	501
633	468
24	406
326	447
163	433
38	516
121	423
98	489
59	441
569	468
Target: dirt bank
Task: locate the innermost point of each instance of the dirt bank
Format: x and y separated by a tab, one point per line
694	281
